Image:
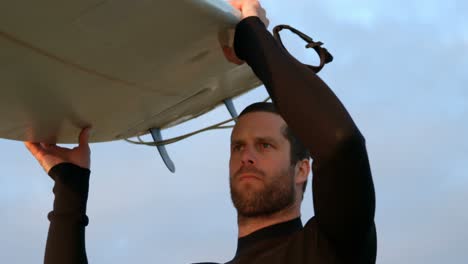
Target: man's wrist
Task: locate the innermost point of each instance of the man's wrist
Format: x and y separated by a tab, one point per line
244	34
70	189
67	168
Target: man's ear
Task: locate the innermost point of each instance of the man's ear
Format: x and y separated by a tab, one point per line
302	171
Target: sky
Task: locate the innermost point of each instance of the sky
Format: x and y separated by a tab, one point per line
399	68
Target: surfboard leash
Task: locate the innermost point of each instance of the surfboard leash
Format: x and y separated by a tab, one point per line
220	125
324	55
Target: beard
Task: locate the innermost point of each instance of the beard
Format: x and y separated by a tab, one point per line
275	193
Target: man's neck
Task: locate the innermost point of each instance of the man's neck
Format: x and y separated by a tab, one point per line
248	225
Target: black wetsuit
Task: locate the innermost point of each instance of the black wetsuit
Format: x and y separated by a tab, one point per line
342	230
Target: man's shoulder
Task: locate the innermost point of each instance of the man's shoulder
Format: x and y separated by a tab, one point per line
311	224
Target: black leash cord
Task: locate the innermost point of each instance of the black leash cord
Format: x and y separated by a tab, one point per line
324	55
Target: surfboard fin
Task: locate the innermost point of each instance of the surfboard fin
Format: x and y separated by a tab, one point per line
230	107
157	137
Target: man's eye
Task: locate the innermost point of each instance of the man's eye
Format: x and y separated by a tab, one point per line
266	145
236	148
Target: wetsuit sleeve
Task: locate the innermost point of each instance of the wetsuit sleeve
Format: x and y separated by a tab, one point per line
344	199
66	238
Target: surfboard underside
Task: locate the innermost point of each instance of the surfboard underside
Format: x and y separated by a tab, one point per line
119	66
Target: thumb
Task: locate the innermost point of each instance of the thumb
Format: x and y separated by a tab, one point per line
236	4
84	137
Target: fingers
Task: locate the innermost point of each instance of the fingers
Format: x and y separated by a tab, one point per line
237	4
36	149
251	8
230	55
40	153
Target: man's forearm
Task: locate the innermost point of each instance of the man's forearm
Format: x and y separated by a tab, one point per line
306	103
66	237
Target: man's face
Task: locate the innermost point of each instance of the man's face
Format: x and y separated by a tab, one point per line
260	173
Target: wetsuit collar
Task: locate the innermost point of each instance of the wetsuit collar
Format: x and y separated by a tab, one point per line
267	233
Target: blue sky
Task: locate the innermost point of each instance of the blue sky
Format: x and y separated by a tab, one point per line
400	69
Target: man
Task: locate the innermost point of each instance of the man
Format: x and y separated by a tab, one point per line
269	164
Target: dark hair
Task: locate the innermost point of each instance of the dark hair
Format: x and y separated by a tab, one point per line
298	150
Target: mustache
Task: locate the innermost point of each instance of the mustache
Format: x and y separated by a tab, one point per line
253	170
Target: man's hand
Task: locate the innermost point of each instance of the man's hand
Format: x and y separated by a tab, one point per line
50	155
247	8
250	8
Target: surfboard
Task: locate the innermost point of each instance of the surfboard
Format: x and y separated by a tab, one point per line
122	67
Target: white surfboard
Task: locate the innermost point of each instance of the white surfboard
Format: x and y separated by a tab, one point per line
121	66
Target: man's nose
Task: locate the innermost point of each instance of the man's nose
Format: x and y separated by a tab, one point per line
248	156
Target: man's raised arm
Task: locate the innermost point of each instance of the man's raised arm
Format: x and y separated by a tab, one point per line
69	168
344	198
